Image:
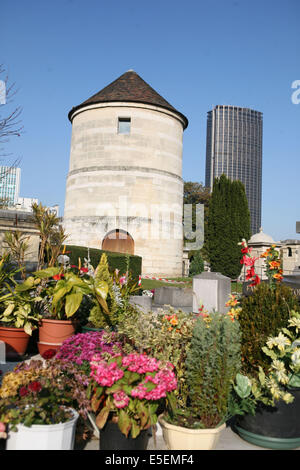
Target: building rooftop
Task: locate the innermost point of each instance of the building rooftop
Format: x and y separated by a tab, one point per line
261	238
129	87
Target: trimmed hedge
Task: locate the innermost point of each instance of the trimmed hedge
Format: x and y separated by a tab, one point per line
115	260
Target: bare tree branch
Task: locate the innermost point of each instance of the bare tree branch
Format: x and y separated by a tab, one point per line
10	124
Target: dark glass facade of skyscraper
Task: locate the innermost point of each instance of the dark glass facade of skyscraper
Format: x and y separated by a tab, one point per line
234	148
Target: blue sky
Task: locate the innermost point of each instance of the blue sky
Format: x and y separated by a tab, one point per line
196	54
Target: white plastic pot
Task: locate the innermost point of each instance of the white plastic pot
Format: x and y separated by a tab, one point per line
179	438
43	436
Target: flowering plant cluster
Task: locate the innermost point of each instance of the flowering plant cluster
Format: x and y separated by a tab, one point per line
248	261
165	335
79	350
129	389
273	265
234	305
41	393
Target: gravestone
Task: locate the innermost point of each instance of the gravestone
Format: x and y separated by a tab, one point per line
174	296
293	281
143	302
212	290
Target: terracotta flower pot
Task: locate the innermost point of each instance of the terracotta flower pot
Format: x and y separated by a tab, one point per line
43	347
54	332
16	342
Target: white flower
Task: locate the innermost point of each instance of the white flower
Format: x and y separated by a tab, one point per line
280	371
147	293
294	321
280	341
296	357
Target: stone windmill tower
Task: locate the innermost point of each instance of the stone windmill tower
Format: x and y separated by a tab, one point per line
124	187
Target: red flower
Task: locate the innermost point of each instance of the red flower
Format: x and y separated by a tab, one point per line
250	273
23	392
57	277
84	270
48	354
255	281
248	261
35	386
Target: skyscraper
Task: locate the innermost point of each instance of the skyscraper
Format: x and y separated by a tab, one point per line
9	184
234	148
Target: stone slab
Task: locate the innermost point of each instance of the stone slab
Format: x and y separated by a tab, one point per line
174	296
212	290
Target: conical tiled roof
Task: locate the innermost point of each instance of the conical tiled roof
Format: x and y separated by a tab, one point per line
129	87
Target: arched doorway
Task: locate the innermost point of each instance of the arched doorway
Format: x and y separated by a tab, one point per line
118	241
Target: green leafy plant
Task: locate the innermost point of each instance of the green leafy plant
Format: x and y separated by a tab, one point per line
104	312
282	354
7	272
64	291
18	247
264	312
52	235
19	307
212	362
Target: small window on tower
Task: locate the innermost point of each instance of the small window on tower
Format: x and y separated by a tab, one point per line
124	125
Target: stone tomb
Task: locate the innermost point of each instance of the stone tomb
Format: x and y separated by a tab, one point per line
212	290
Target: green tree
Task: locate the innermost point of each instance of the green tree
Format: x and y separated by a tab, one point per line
195	193
197	264
228	223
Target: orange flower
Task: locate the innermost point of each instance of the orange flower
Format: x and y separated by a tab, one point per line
278	276
265	254
174	320
274	264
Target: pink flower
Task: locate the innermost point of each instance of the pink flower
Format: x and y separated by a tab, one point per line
120	399
105	374
2	427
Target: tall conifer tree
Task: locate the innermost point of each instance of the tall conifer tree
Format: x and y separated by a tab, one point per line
228	223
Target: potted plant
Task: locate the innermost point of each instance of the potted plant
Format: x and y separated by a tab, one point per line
125	392
19	315
273	421
63	294
40	404
213	359
107	296
165	335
